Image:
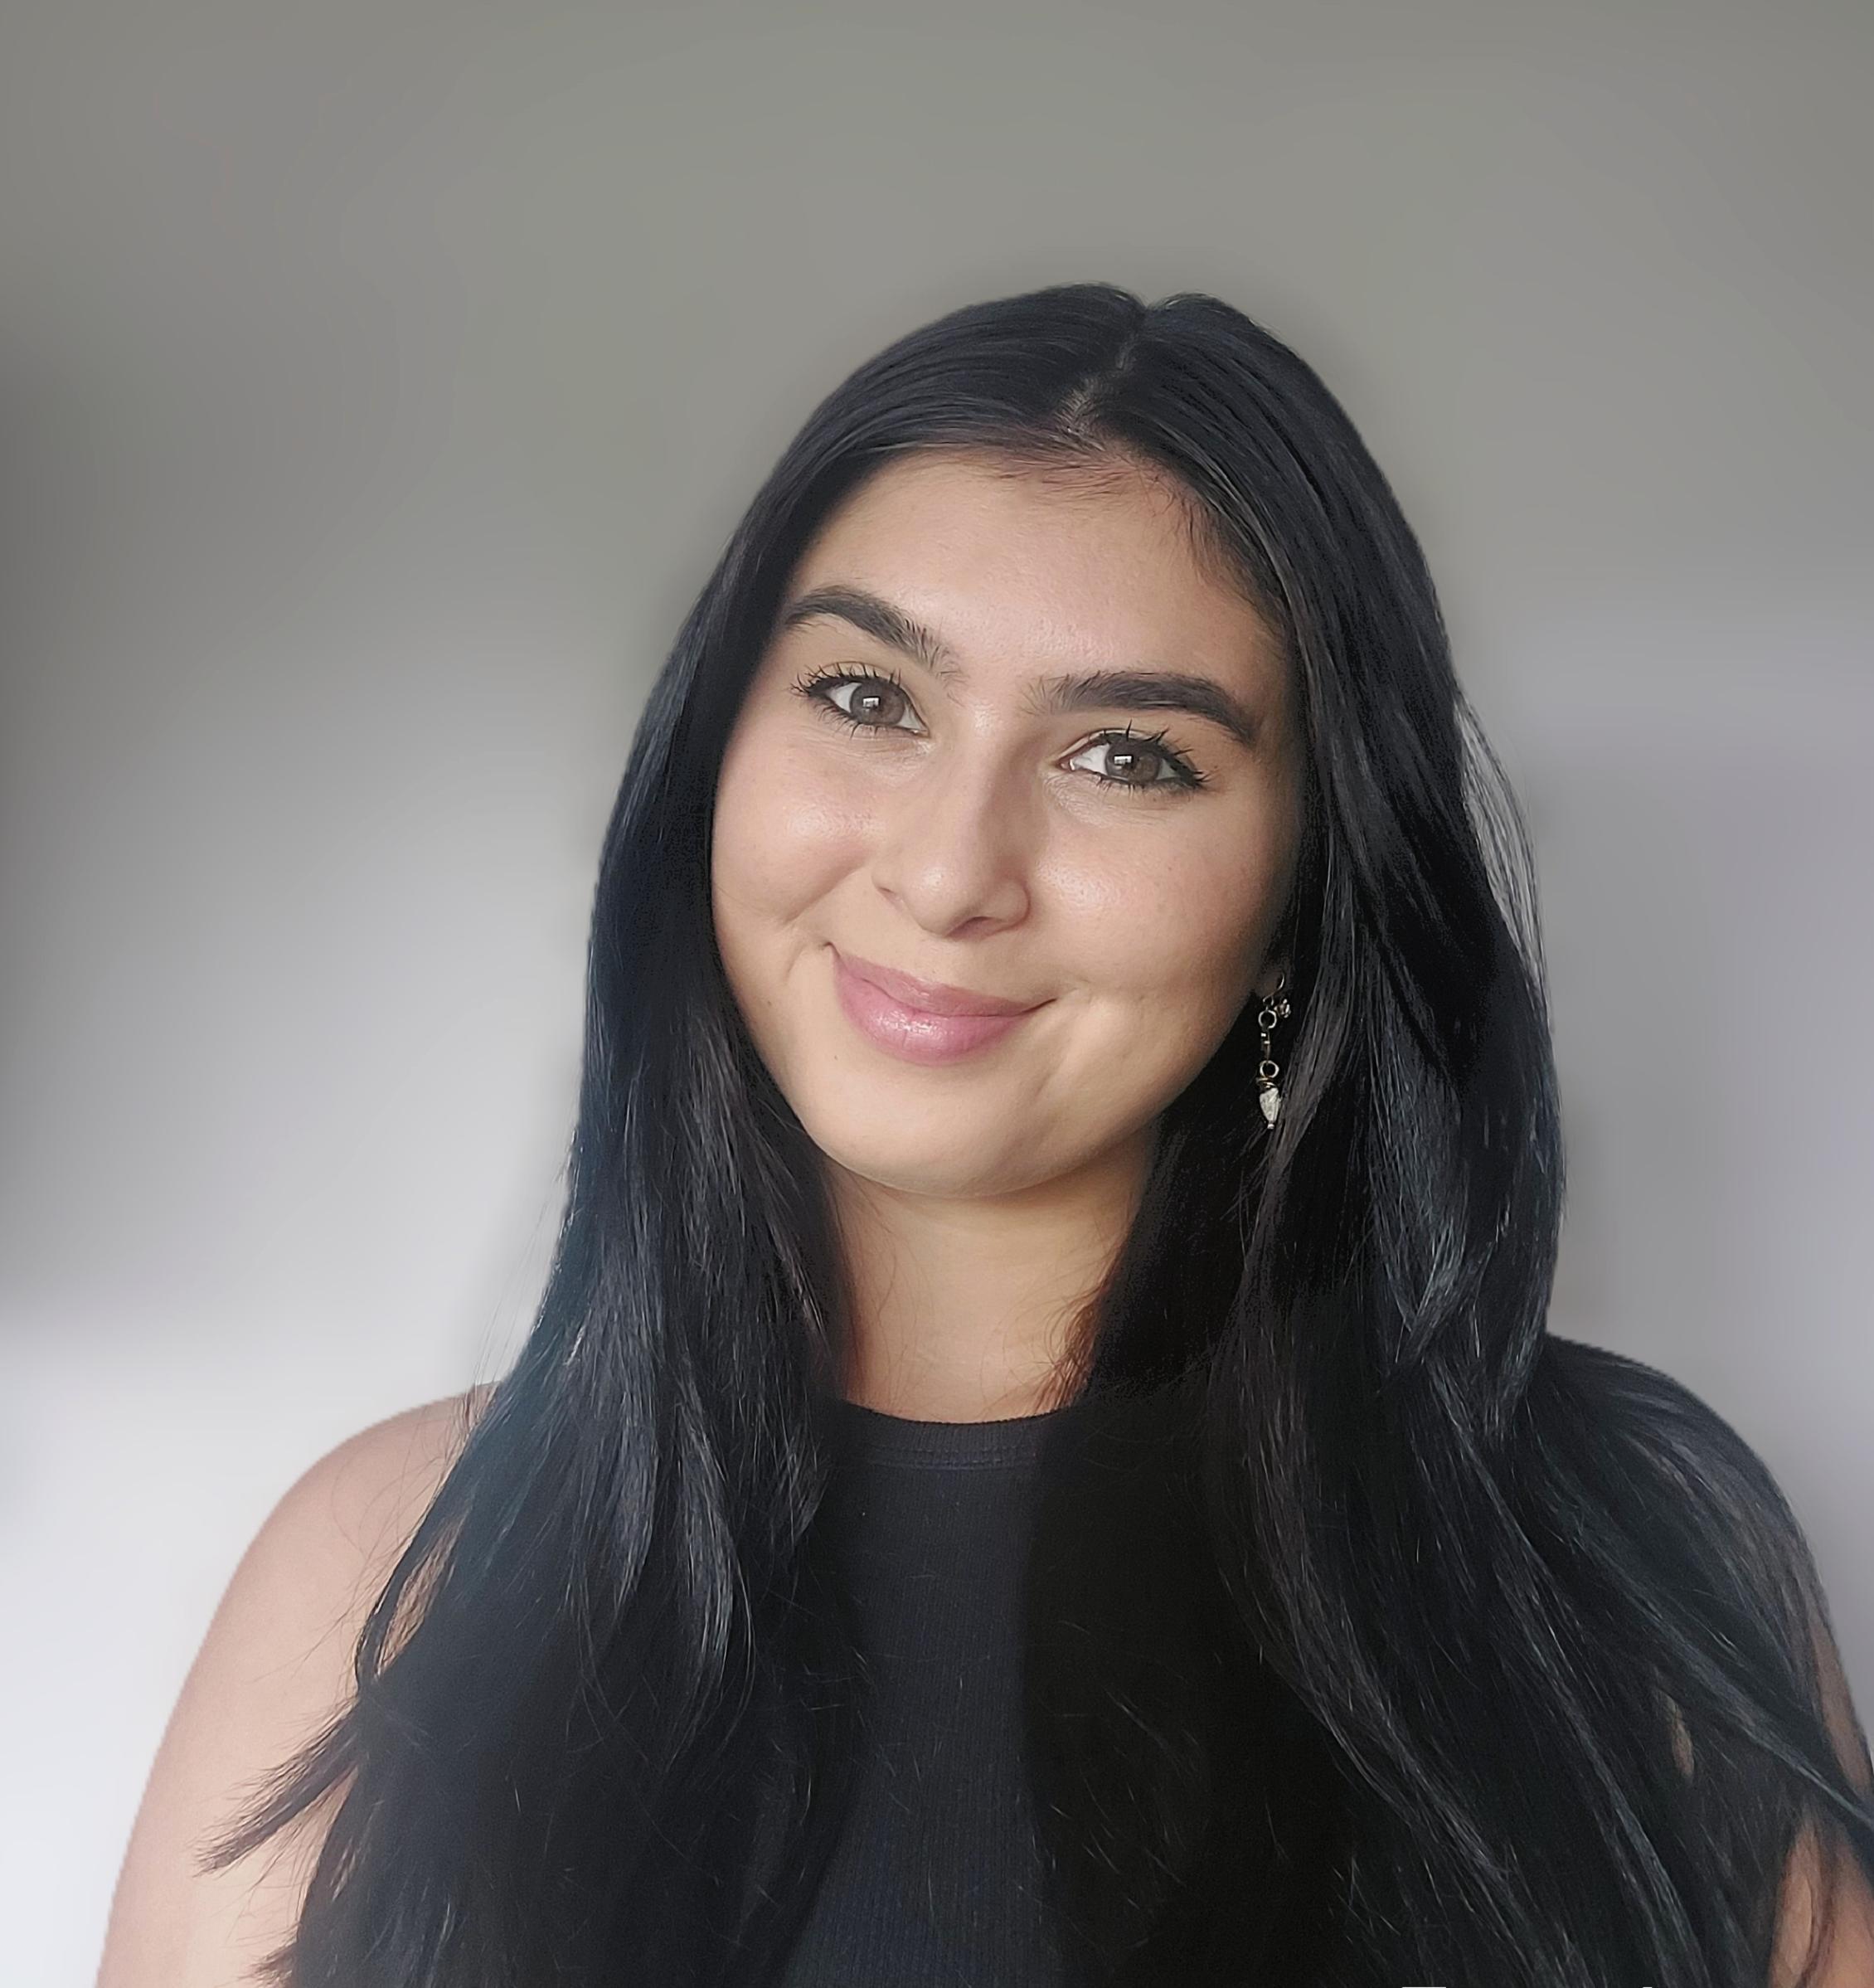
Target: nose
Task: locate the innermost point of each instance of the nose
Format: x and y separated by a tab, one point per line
953	849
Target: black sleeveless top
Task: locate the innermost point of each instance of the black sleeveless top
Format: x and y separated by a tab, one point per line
937	1879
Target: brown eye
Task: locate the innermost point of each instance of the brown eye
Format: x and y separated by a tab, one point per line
877	704
1138	763
1122	763
860	700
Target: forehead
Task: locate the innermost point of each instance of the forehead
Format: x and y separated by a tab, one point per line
1014	564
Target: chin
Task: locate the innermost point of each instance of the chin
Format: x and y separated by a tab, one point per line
958	1156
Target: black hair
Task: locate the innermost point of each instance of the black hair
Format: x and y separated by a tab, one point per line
1419	1643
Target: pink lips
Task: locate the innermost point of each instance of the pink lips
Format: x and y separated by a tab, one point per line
921	1021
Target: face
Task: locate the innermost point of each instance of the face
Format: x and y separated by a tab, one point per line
1006	824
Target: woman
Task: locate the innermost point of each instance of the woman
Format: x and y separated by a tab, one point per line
1039	1458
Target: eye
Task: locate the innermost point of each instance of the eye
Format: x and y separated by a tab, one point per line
861	699
866	700
1140	762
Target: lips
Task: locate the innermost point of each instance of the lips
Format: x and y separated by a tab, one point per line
911	1030
931	997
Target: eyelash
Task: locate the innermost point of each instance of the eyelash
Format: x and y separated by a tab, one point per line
1186	779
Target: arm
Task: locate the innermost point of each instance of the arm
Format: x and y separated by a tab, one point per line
1696	1512
1828	1902
274	1668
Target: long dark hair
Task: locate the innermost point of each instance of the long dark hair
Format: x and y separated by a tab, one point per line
1425	1646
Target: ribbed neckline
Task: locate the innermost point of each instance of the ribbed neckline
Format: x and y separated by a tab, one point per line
871	1433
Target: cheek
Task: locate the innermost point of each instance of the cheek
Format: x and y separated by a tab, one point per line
778	840
1178	942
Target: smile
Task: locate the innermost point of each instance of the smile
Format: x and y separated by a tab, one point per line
939	1033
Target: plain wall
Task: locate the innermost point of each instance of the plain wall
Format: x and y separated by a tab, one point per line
377	385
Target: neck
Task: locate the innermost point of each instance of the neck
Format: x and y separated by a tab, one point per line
967	1309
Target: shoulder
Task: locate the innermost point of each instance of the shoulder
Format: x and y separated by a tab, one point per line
1633	1409
338	1530
1656	1460
1659	1475
1676	1483
274	1667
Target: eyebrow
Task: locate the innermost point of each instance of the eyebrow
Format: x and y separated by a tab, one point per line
1135	689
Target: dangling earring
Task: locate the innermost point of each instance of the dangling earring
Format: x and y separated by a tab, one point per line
1274	1009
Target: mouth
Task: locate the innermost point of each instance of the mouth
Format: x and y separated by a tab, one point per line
922	1021
930	997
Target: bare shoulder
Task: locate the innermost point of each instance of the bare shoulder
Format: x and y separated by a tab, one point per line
1688	1488
274	1668
1825	1918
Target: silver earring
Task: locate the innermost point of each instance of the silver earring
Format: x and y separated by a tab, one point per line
1274	1009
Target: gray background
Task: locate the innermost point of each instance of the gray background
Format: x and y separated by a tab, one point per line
376	386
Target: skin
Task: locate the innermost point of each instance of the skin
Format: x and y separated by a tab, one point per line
275	1666
980	1201
965	837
